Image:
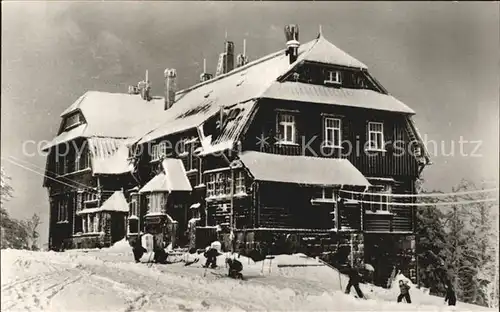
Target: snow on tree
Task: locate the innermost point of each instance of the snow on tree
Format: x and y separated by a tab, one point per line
469	252
6	189
431	246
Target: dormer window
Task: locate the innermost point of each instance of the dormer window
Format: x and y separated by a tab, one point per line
72	121
333	77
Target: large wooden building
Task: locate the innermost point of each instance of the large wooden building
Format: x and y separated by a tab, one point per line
295	151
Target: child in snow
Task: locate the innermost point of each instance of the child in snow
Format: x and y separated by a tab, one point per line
211	255
450	295
354	280
138	250
404	288
160	256
235	268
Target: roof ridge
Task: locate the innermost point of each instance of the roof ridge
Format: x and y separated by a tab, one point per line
239	69
232	72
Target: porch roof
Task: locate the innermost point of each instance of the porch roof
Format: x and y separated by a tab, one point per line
173	178
302	169
116	202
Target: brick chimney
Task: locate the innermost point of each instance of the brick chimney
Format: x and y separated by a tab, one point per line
170	87
229	50
226	59
292	41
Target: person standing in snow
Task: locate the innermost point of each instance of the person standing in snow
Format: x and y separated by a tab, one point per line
450	295
404	289
138	250
354	280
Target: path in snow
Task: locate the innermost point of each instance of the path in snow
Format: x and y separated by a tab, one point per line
109	280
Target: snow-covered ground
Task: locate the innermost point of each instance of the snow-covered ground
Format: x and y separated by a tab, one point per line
109	280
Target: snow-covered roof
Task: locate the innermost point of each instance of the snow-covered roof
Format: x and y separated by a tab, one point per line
109	155
237	117
114	114
195	105
173	178
302	169
121	115
66	136
115	202
326	52
362	98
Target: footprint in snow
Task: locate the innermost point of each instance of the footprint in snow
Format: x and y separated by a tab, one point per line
183	308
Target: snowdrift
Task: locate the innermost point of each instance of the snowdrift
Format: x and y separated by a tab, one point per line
109	280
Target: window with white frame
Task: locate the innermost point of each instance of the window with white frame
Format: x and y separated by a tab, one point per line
375	136
240	182
91	223
97	223
333	132
181	146
210	178
156	202
158	151
327	193
333	77
381	202
218	184
286	128
62	210
134	206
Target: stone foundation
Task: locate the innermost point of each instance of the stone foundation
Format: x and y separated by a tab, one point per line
87	242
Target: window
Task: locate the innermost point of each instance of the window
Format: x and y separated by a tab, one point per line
375	136
240	182
382	200
327	193
96	223
156	202
286	128
181	146
218	184
333	132
91	223
134	207
158	151
333	77
89	198
82	160
220	187
72	121
79	200
210	185
62	210
61	165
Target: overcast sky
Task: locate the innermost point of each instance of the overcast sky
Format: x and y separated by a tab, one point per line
441	59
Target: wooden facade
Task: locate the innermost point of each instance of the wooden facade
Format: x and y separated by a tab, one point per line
226	201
